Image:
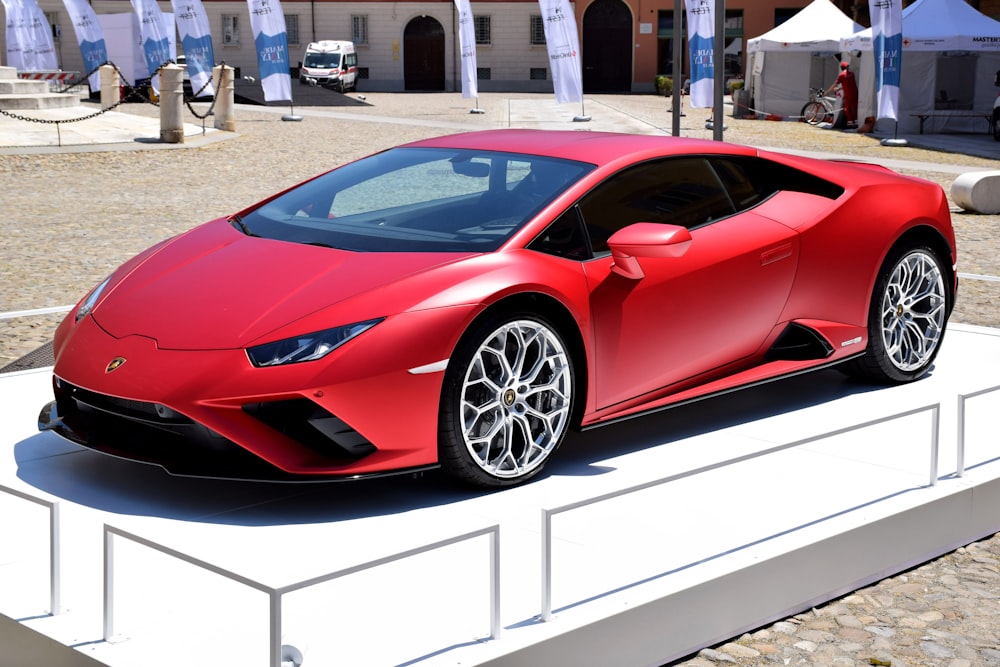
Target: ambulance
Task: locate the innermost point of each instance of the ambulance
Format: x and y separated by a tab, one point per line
331	63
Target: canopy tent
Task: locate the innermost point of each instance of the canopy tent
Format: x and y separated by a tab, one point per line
951	53
799	54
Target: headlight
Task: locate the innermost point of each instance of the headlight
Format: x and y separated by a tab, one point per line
307	347
88	304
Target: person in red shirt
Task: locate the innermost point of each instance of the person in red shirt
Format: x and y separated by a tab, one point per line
849	92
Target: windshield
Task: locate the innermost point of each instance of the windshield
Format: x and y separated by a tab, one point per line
417	200
322	60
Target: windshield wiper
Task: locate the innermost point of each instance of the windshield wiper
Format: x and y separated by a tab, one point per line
237	221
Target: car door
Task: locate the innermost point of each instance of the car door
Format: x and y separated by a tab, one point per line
688	315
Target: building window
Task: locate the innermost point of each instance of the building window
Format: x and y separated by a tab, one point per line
537	30
484	73
292	28
781	15
53	19
362	72
230	29
359	28
538	74
482	27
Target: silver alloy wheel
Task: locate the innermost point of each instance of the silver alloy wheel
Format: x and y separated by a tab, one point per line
516	398
913	311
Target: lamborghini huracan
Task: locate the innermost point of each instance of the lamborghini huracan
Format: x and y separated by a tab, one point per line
465	301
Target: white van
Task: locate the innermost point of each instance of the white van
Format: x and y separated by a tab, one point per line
331	63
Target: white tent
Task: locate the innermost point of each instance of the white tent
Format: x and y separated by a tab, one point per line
951	53
799	54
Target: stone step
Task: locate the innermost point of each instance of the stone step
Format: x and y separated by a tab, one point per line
23	87
39	101
18	93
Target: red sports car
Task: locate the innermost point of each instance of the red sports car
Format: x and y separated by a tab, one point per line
465	301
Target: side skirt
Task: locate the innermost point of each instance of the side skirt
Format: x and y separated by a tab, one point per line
752	377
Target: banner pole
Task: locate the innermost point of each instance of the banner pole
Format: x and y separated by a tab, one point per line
291	113
676	71
895	141
718	67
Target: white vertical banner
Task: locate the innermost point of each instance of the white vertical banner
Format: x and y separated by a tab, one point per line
701	46
271	41
887	46
29	37
563	44
196	39
467	44
44	50
90	37
153	27
16	36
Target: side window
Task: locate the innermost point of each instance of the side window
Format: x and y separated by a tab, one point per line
563	238
766	177
733	172
676	191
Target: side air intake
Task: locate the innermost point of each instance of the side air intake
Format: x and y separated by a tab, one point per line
799	343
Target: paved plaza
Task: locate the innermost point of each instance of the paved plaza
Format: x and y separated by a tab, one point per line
81	198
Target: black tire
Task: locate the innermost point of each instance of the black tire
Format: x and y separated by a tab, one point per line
907	317
996	124
816	112
507	400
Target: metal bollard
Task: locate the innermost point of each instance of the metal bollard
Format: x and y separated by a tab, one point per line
224	82
171	104
111	86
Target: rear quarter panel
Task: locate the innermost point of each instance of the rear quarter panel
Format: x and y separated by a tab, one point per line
844	247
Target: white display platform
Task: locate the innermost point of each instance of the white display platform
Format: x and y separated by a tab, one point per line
640	579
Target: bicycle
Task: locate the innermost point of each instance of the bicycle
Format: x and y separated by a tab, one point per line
820	107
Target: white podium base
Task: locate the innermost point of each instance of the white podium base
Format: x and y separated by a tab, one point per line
641	579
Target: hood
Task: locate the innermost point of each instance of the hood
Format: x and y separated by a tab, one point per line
215	288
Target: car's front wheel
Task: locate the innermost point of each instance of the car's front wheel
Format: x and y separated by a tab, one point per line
907	318
507	400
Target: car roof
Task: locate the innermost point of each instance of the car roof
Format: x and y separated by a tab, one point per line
595	147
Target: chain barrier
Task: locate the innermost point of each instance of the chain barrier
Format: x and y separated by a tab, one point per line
211	107
133	94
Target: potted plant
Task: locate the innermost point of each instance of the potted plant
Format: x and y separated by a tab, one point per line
664	84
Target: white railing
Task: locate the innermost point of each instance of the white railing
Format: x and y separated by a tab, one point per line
37	311
275	594
54	559
960	450
547	514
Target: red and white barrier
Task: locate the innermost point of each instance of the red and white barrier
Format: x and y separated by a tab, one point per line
48	76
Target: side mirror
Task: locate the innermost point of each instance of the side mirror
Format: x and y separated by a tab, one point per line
645	239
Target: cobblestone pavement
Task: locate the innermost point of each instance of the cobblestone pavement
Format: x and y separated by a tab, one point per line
71	217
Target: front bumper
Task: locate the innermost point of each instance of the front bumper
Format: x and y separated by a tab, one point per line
358	412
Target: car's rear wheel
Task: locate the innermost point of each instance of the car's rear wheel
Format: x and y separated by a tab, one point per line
907	318
996	124
507	400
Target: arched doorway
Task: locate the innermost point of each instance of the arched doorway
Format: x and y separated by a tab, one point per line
423	54
607	47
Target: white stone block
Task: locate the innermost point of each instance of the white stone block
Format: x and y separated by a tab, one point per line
977	191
